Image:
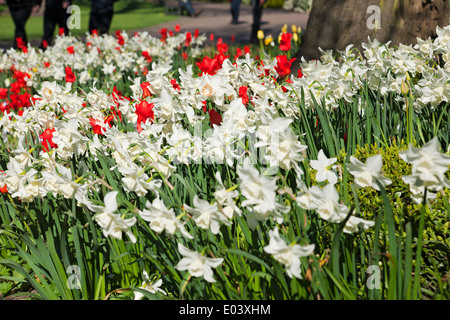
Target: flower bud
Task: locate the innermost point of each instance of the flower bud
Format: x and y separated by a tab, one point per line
404	87
260	34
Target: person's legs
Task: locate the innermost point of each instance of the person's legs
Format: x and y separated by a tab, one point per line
100	19
61	18
235	5
20	16
105	19
93	20
187	5
49	25
257	14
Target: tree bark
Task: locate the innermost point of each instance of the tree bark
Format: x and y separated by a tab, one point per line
334	24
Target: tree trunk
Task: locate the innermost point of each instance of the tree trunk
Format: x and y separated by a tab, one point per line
334	24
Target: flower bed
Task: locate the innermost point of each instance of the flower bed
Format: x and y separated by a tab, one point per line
188	168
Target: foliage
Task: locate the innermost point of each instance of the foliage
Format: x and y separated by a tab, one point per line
60	242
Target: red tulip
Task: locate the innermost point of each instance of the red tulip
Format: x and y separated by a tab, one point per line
144	111
47	137
97	128
208	66
285	41
243	95
283	66
70	76
145	90
214	118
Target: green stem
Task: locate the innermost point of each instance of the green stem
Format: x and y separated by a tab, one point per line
416	283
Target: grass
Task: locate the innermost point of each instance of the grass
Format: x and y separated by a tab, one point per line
128	15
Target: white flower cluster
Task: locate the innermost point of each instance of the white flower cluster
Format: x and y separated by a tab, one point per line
166	127
383	68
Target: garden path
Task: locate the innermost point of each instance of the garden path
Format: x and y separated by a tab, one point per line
216	18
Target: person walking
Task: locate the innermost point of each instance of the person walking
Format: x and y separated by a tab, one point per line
102	12
55	14
257	10
235	6
20	11
187	5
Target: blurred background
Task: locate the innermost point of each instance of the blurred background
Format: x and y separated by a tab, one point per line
133	15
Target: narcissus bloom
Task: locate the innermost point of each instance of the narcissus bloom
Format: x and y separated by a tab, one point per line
428	165
323	165
112	224
260	193
206	215
288	255
197	264
148	285
161	218
367	174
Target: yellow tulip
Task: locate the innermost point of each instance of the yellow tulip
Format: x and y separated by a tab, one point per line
284	29
294	28
268	40
260	34
295	37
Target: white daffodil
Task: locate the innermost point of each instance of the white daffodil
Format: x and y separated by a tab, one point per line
323	165
112	224
288	255
260	194
225	198
150	286
428	165
197	264
417	194
206	215
309	198
161	218
366	174
328	206
135	180
354	224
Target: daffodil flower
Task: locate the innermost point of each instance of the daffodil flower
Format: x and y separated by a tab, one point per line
112	224
197	264
288	255
428	165
368	174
